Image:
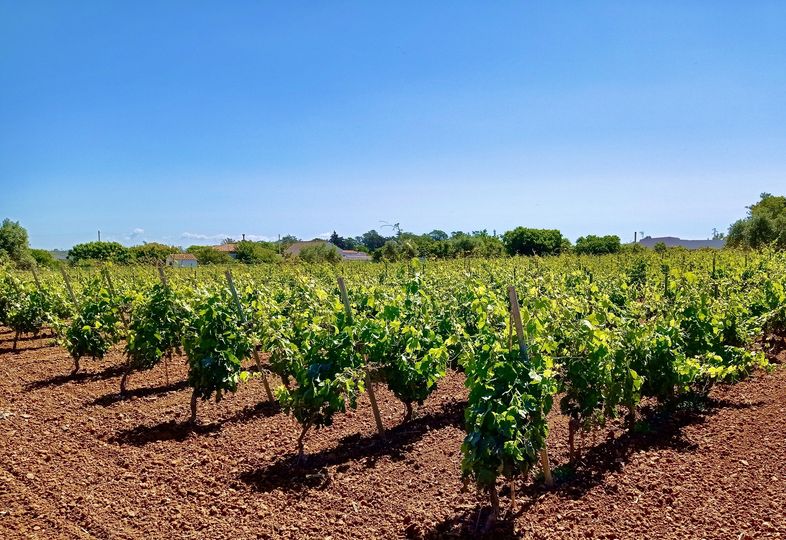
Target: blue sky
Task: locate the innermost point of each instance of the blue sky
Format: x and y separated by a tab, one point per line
184	122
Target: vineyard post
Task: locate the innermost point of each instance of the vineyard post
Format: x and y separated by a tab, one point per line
35	278
369	384
127	371
112	296
68	286
40	290
514	310
162	276
254	348
665	270
164	282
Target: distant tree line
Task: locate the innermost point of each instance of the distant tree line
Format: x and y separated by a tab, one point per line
764	226
402	245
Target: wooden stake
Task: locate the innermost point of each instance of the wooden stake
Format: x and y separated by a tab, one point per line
68	286
342	288
665	282
37	281
162	276
369	383
516	314
112	295
512	495
254	352
374	407
514	309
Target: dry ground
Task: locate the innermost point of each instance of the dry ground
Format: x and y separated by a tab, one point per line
77	461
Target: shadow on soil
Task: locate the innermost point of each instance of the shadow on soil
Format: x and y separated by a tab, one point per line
9	337
180	431
312	472
468	524
20	349
115	397
658	428
82	376
165	431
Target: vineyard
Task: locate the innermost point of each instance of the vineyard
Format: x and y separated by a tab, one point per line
500	382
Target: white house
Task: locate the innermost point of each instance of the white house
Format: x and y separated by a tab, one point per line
181	260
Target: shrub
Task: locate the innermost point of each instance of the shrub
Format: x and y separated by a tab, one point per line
322	252
43	258
522	241
256	252
151	253
208	255
597	245
99	251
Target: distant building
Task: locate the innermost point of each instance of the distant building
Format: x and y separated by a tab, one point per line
346	254
352	255
672	241
229	249
181	260
59	254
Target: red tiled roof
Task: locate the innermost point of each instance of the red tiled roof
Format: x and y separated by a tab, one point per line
227	248
181	257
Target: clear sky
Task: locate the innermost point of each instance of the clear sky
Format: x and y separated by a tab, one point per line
185	122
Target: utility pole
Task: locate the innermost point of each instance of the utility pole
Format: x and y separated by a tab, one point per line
99	235
635	237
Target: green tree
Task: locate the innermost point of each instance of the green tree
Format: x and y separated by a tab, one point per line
597	245
340	241
321	252
151	253
765	225
372	240
438	235
523	241
43	258
208	255
14	240
99	251
256	252
287	241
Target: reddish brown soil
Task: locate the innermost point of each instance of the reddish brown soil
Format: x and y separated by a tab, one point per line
76	461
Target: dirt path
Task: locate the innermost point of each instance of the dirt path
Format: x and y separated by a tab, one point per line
78	462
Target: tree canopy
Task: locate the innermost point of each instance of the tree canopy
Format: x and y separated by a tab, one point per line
14	243
99	251
208	255
597	245
765	225
523	241
255	252
151	253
